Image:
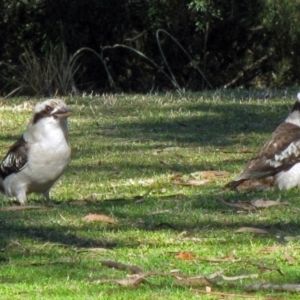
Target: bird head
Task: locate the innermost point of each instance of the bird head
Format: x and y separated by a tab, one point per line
294	116
55	109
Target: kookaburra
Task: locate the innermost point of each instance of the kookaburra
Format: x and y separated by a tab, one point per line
279	158
41	154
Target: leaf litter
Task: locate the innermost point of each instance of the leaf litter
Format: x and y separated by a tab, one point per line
210	174
24	207
99	218
252	230
187	255
255	204
138	276
200	178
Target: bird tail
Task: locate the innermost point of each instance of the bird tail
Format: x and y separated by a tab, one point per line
234	184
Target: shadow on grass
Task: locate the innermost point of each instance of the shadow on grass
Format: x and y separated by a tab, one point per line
207	216
215	127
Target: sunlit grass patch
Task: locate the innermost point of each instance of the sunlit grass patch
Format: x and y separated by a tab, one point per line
129	153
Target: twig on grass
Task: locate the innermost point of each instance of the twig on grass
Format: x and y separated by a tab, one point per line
224	294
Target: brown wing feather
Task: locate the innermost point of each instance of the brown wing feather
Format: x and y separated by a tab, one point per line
271	158
15	159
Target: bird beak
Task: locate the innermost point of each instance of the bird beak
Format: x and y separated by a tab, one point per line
62	113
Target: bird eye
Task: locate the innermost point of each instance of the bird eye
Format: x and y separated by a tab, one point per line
48	109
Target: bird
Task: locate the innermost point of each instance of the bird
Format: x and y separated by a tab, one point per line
279	158
40	156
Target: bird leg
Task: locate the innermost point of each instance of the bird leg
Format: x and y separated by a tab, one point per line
22	197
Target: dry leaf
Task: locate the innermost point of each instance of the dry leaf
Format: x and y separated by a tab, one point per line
240	205
99	218
239	277
120	266
177	177
260	203
211	174
264	268
255	204
225	294
201	281
267	250
252	229
131	281
184	255
24	207
193	182
98	249
290	259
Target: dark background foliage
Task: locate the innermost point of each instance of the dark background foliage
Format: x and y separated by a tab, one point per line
232	42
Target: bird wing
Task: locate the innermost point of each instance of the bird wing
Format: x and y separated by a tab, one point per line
15	159
279	153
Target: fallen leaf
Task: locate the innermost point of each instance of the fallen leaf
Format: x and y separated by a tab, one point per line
193	182
239	277
260	203
211	278
267	250
24	207
177	177
185	255
252	229
264	268
120	266
240	205
99	218
98	249
210	174
201	281
290	259
131	281
225	294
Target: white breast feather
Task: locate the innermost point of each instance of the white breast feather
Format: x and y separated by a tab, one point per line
288	179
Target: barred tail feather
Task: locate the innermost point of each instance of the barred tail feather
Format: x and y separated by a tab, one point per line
234	184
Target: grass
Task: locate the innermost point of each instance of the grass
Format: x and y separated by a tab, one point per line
127	146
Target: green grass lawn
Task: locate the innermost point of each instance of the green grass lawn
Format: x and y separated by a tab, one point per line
127	152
